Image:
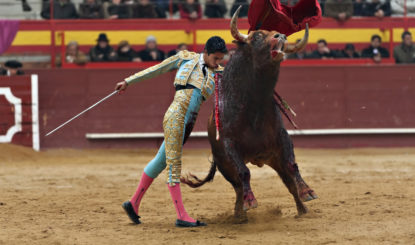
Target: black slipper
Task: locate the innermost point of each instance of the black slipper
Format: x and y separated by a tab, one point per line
182	223
128	208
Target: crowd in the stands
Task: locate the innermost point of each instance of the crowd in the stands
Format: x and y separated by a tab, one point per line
103	52
126	9
193	9
340	10
402	53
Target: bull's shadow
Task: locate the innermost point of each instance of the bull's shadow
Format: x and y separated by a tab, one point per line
251	128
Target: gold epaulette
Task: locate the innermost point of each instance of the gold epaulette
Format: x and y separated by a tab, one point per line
187	55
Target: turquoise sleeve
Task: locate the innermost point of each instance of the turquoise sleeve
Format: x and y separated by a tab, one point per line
165	66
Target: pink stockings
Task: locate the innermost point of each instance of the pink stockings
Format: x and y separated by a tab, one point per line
175	193
176	196
145	182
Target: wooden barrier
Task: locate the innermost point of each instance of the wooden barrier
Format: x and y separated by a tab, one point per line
351	101
19	122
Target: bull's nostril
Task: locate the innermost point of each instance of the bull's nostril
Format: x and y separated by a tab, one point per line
277	35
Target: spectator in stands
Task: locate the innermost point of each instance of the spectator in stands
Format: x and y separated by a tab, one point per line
12	68
375	51
25	6
377	8
90	9
341	10
405	52
244	9
349	52
102	52
62	9
118	10
180	47
126	53
73	55
190	9
163	6
144	9
358	7
398	7
298	55
323	51
151	52
215	8
323	8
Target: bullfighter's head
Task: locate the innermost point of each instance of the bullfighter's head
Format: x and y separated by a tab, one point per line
277	42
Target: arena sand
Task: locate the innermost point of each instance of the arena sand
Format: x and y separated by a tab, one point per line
366	196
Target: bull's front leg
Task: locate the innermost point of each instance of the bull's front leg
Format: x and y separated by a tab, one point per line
304	191
288	170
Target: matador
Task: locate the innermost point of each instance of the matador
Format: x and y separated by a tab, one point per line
194	83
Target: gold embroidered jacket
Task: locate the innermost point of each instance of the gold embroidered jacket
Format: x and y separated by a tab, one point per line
189	72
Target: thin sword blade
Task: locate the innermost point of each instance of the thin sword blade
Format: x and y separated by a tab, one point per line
87	109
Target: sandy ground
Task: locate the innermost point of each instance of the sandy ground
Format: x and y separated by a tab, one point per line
366	196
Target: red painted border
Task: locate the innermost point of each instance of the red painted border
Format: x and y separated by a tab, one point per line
308	62
203	24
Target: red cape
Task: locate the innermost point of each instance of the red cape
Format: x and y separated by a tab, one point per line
272	15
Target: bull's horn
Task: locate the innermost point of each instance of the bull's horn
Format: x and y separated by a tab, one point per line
234	29
300	45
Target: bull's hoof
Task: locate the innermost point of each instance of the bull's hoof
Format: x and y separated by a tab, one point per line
301	210
250	201
307	194
240	219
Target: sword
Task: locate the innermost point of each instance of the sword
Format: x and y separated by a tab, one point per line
87	109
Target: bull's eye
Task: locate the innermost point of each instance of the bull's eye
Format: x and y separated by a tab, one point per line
258	36
277	35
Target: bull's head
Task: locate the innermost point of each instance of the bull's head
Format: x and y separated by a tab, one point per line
277	41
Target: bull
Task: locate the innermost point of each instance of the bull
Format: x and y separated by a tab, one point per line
251	127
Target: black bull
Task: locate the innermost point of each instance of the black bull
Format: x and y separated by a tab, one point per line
252	129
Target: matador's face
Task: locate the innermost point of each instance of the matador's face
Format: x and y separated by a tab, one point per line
214	59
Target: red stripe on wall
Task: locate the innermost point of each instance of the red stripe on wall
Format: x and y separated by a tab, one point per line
203	24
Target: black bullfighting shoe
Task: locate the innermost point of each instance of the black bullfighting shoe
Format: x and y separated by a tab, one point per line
128	208
182	223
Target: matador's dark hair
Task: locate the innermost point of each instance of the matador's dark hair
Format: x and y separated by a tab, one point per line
215	44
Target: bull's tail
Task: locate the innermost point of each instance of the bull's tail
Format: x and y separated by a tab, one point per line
194	182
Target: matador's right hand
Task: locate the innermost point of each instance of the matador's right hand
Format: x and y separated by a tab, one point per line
121	86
